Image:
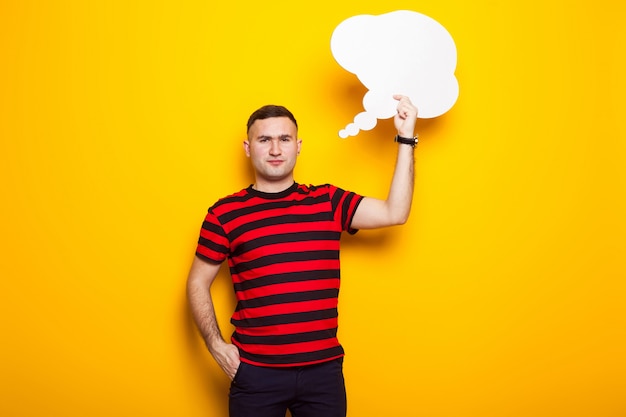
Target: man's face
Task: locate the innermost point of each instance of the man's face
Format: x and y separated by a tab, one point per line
273	147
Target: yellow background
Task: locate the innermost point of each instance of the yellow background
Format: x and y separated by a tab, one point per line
121	122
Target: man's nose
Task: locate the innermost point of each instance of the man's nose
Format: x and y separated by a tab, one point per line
275	148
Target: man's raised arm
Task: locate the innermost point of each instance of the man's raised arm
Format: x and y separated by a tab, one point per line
373	213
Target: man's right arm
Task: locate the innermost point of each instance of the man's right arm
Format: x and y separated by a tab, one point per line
201	276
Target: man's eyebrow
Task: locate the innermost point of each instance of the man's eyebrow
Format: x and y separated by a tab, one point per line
283	136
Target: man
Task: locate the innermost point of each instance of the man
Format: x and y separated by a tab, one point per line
281	240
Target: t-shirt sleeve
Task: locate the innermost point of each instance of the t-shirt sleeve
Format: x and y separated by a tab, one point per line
213	243
344	204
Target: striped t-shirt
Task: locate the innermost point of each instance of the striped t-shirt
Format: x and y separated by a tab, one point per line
283	253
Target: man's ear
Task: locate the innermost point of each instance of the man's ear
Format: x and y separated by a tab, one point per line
299	145
246	147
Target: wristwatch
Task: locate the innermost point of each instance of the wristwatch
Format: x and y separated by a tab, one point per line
407	141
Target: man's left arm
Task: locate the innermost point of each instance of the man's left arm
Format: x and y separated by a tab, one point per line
372	212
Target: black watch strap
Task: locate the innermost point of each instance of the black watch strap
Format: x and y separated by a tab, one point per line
406	141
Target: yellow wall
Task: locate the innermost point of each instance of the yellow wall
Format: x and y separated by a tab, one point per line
121	122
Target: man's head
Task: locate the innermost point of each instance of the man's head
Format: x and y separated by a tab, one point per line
273	147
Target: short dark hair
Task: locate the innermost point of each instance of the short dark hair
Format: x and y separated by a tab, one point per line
268	111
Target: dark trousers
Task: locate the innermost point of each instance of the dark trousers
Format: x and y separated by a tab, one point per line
306	391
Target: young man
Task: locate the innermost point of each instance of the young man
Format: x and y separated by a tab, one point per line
281	240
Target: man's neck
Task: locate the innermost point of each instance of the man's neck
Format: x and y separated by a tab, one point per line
272	186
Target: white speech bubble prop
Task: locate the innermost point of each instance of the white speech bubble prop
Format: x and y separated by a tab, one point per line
401	52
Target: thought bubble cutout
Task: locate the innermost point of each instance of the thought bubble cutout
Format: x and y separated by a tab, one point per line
401	52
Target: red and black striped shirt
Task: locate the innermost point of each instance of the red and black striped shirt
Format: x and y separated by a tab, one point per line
283	253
